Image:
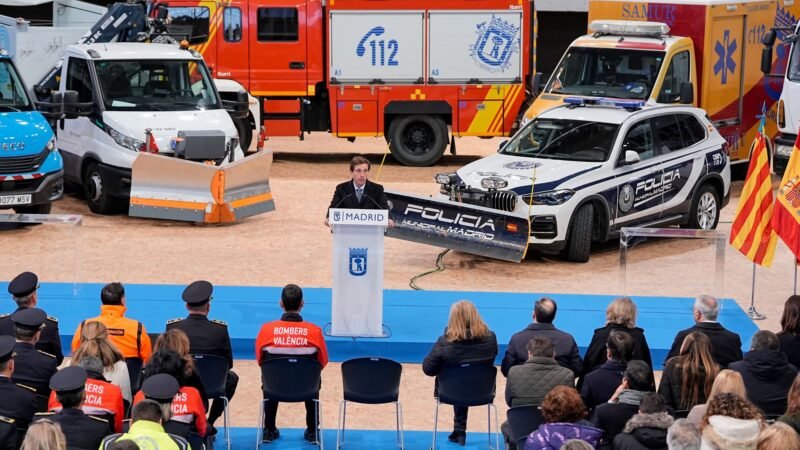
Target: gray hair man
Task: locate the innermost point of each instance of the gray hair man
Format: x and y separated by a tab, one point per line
726	346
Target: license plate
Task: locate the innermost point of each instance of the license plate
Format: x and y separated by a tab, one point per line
18	199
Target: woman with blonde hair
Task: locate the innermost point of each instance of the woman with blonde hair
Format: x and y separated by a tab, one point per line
620	315
688	378
466	339
94	342
44	435
177	341
778	437
727	381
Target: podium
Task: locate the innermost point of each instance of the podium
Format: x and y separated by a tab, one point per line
357	303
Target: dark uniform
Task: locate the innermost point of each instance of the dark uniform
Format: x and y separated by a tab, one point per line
8	433
207	337
17	403
83	432
33	367
50	341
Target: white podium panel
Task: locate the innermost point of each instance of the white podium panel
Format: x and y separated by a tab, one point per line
357	303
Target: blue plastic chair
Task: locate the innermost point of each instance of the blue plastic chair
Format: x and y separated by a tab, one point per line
522	421
468	385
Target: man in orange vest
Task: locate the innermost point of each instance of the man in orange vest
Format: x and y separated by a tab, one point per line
128	335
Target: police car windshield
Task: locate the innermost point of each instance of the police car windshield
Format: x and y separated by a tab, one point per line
606	72
13	95
573	140
156	85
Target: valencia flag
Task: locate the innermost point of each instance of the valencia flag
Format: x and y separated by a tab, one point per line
786	217
752	232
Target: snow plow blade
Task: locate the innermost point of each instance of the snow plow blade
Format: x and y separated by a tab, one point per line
467	228
169	188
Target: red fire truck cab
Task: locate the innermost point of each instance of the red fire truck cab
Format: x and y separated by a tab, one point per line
416	72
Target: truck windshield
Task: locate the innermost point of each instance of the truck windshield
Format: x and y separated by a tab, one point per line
573	140
606	72
794	64
156	85
13	96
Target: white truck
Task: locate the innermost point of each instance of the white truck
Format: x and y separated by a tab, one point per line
158	133
788	114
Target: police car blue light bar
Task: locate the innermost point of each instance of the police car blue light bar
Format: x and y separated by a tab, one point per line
625	104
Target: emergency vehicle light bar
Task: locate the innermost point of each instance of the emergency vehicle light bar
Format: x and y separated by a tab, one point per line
624	104
628	28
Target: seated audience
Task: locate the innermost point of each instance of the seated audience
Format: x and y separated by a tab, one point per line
32	367
731	422
688	377
599	385
727	381
17	403
683	435
146	430
177	341
44	435
565	418
778	436
767	373
528	383
726	346
576	444
792	416
648	428
544	313
466	339
620	316
790	330
612	416
94	342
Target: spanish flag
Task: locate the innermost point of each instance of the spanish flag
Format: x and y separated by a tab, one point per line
786	218
752	232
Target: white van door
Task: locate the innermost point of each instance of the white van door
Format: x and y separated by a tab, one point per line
75	136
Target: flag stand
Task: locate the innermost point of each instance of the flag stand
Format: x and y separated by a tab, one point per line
752	312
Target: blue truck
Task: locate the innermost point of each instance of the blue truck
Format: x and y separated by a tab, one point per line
31	168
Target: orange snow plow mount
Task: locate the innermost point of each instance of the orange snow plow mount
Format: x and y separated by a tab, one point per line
164	187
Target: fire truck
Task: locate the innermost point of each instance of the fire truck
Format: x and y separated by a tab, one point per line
418	73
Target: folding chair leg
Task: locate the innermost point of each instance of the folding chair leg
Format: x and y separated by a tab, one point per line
225	422
489	424
317	407
435	424
260	427
399	413
340	424
496	427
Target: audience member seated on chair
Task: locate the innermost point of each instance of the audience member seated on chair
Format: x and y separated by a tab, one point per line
187	406
726	381
178	342
683	435
467	339
790	330
544	313
105	400
146	430
94	342
726	346
792	415
648	428
290	336
620	316
767	373
731	422
600	384
576	444
688	377
612	416
778	436
32	367
44	435
565	416
18	403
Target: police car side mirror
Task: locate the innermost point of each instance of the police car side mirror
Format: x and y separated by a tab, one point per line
502	145
631	157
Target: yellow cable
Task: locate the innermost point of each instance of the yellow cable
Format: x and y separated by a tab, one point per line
383	160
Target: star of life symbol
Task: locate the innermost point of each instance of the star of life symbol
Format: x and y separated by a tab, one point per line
497	42
725	51
358	261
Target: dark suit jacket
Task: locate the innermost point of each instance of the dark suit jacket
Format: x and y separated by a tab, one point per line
49	342
206	337
567	353
596	353
345	197
726	346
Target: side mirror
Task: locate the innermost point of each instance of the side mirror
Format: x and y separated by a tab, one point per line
766	59
239	108
535	83
53	109
687	93
631	157
502	145
769	38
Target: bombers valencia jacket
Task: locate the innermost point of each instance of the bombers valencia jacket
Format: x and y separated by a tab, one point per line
293	337
100	398
187	407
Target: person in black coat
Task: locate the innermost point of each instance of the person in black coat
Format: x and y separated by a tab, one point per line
726	346
544	313
17	403
600	384
466	339
620	315
24	289
767	374
614	415
687	378
358	192
789	336
32	367
647	430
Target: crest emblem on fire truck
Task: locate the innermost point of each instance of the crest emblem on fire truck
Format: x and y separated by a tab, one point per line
497	42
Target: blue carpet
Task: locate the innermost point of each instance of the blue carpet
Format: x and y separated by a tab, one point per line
415	318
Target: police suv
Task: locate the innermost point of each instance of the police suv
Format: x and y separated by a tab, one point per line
585	169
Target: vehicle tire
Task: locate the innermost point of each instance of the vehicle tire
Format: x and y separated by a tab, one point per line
579	239
34	209
418	140
245	134
97	196
704	212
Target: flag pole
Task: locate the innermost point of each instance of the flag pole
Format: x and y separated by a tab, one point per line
752	312
795	276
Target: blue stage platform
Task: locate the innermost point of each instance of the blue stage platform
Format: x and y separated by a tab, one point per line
415	318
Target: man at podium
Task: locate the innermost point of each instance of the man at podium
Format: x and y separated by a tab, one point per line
359	192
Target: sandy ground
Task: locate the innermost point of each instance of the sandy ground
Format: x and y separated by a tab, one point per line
293	245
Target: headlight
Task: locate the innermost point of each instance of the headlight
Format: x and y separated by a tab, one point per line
444	178
125	141
783	150
51	145
549	198
493	183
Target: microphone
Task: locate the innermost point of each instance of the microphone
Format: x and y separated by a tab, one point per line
373	201
341	201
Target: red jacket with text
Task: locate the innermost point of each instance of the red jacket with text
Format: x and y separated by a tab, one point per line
187	407
291	336
100	398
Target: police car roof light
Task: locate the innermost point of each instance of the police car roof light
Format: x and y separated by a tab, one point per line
629	28
624	104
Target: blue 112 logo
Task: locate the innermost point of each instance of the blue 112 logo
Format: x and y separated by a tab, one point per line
378	48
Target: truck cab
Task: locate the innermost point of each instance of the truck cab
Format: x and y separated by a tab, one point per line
31	168
788	112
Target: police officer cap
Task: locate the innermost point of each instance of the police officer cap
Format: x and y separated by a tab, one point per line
31	318
161	387
198	293
6	348
68	379
23	284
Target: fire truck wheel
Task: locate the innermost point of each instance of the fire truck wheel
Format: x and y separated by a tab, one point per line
418	140
94	188
245	134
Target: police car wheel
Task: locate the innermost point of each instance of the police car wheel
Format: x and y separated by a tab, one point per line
94	188
418	140
704	213
579	240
